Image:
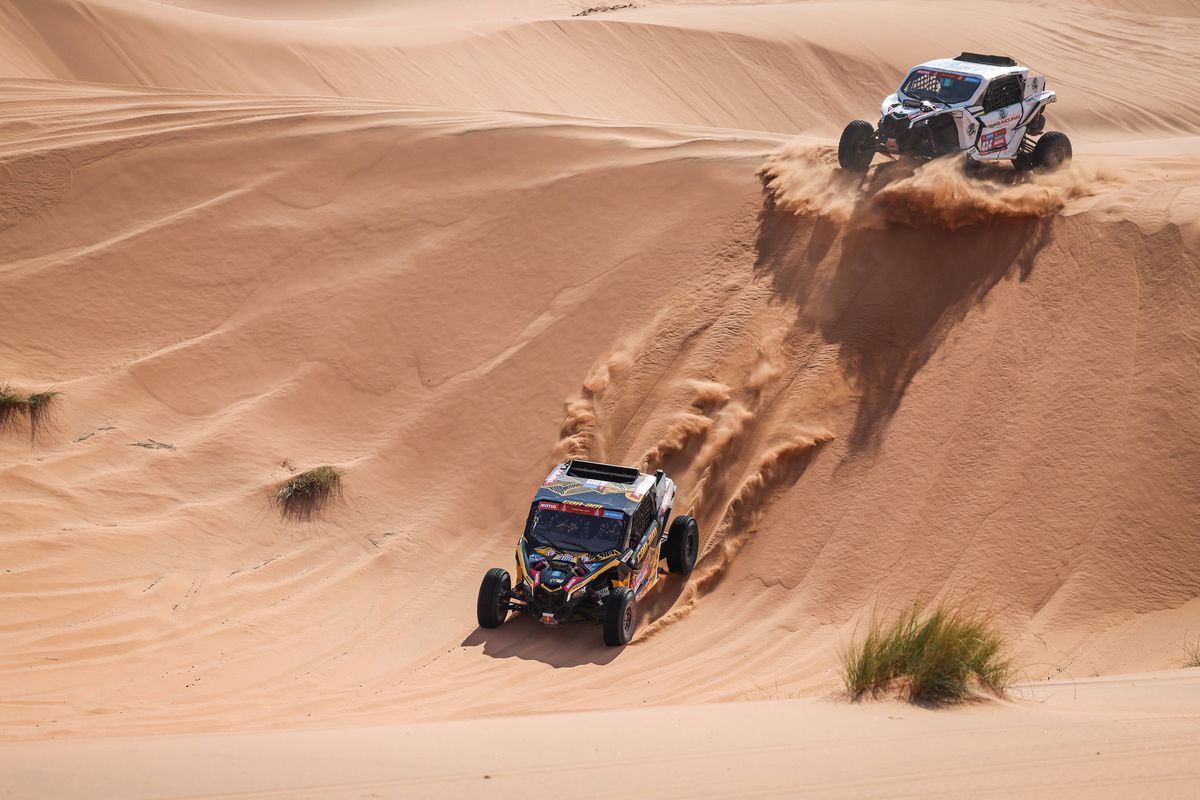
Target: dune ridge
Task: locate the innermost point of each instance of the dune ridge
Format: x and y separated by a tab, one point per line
777	67
804	179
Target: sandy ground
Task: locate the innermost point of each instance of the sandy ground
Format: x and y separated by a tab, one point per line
440	245
1116	737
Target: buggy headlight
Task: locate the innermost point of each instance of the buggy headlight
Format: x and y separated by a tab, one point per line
575	584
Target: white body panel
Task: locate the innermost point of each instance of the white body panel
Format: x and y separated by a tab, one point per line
992	136
1002	130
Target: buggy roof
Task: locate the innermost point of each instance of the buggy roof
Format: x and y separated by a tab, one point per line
986	71
595	484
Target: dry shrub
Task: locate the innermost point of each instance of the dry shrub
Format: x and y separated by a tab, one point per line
587	12
1191	652
306	495
13	406
941	657
41	405
36	407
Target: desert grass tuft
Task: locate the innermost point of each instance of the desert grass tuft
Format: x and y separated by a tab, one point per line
587	12
303	496
36	407
13	406
1191	652
40	406
946	655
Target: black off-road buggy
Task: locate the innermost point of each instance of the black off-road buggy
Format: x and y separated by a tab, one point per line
592	547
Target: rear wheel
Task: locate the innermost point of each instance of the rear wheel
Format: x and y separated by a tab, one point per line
1052	151
683	543
492	608
620	617
857	146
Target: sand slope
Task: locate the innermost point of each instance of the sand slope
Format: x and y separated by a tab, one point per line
325	244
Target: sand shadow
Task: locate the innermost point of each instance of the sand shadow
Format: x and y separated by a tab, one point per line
888	296
572	644
660	600
575	643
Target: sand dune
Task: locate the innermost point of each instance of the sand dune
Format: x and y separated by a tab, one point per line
440	246
805	67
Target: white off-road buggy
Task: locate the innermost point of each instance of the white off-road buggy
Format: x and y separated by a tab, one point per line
988	108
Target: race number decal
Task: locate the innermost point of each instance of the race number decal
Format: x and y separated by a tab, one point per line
996	140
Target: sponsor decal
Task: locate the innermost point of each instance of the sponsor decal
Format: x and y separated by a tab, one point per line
576	508
554	475
641	487
938	74
613	515
566	488
666	501
996	140
643	578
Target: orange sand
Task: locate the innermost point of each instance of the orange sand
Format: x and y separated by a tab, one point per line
441	244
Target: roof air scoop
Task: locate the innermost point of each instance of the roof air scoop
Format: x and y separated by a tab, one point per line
592	470
981	58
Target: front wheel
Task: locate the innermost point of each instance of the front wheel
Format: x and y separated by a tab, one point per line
492	608
683	543
620	617
857	146
1053	150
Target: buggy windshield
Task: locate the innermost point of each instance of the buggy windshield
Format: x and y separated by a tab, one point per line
942	87
575	528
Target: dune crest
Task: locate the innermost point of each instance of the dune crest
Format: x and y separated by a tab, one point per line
804	178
